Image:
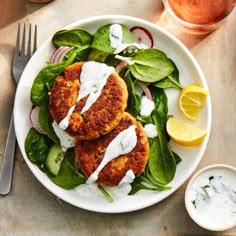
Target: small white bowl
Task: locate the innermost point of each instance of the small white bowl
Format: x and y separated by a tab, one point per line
210	197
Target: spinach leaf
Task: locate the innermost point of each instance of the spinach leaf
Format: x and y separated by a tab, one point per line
97	55
67	177
161	166
101	40
171	81
146	180
144	183
44	80
73	38
138	185
105	193
112	61
178	159
81	53
36	147
149	65
160	99
161	106
46	120
134	100
162	163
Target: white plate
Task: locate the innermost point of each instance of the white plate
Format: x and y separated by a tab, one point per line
190	73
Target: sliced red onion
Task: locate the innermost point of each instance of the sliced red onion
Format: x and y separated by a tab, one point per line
146	90
59	54
121	66
34	119
142	36
54	56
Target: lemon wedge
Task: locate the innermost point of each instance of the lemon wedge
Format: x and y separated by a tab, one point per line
191	100
185	134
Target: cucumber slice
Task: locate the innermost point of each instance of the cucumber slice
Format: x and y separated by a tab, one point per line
54	159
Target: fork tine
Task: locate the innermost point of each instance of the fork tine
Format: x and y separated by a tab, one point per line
17	48
35	39
28	55
23	43
22	54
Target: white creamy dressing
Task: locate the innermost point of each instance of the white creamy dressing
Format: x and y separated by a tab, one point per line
213	198
116	36
93	78
91	190
150	130
64	123
128	178
122	144
66	141
146	106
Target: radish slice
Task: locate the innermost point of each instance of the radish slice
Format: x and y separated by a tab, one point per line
146	90
34	119
59	54
142	36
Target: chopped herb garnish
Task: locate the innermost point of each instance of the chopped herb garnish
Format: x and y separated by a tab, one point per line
211	178
194	203
204	188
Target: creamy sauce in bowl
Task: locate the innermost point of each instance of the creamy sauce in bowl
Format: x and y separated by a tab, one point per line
211	197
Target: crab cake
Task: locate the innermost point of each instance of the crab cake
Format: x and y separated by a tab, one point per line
102	116
90	154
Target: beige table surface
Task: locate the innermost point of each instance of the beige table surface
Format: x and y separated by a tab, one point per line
30	209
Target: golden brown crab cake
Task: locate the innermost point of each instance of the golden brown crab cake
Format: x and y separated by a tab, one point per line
103	115
89	154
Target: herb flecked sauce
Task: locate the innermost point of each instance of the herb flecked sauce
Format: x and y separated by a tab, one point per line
213	198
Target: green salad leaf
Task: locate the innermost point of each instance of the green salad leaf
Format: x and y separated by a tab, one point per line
149	65
97	55
105	193
46	120
36	147
144	183
178	159
67	177
101	40
171	81
162	162
73	38
133	99
161	106
45	78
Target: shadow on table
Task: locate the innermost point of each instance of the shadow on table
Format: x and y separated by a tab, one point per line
14	10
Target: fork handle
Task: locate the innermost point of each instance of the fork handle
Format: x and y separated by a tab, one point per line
8	160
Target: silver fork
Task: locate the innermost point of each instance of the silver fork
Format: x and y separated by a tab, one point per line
20	59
